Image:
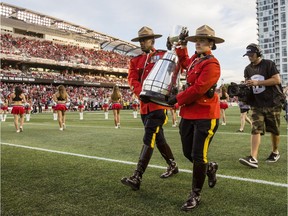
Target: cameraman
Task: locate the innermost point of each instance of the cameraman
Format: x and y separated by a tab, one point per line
263	77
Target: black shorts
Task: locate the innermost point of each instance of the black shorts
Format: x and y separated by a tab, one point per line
244	110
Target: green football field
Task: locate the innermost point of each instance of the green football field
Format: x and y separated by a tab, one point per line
77	171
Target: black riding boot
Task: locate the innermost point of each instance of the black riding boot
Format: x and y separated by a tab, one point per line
135	180
198	179
167	154
211	173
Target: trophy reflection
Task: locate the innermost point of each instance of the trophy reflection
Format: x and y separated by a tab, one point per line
163	80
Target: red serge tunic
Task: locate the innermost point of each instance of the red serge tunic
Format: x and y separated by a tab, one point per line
202	74
139	68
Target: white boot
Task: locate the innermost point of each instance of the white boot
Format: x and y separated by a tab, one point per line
5	116
55	116
106	115
1	117
135	114
81	115
27	117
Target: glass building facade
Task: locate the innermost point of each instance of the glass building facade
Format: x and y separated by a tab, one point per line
272	18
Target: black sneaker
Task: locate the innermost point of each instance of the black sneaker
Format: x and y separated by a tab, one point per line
192	202
211	173
249	161
273	157
133	182
171	170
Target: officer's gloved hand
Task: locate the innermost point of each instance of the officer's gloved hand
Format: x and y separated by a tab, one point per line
174	91
168	44
144	99
184	33
172	100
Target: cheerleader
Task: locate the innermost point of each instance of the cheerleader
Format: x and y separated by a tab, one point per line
61	98
55	117
17	100
174	114
105	106
135	105
27	107
80	106
4	109
116	99
223	97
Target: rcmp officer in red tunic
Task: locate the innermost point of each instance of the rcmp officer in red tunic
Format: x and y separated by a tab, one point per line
153	116
200	110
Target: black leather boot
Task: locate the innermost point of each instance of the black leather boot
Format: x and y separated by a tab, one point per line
167	154
198	179
211	174
134	181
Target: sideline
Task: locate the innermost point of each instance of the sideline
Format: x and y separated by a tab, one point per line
129	128
153	166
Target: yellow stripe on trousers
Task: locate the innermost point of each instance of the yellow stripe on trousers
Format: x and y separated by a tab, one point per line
152	144
207	140
166	117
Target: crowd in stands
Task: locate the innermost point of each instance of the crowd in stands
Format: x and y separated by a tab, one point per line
62	75
41	95
41	48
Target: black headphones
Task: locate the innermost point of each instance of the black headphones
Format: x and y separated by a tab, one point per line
255	46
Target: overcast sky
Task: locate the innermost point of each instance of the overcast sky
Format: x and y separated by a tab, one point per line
233	20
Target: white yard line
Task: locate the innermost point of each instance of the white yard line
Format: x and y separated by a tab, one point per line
123	127
153	166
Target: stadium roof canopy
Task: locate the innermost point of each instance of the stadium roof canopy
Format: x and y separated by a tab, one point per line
31	17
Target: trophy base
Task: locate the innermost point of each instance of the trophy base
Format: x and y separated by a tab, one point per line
154	97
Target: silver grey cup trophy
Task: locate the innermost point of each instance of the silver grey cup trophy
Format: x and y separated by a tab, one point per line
162	81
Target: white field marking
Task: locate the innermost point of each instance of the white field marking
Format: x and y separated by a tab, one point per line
153	166
129	128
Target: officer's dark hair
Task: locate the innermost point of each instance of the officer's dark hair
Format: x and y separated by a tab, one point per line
257	49
214	45
147	38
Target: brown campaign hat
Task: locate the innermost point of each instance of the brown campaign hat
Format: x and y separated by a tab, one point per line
205	32
145	32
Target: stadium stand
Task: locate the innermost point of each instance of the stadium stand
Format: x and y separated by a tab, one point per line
39	52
